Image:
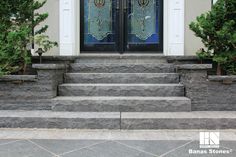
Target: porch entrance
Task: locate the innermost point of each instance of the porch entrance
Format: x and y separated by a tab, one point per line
121	25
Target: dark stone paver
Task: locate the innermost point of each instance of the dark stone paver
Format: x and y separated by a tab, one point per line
62	146
3	142
108	149
155	147
22	149
229	144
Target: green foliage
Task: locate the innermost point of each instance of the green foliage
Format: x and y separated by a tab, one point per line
43	42
227	60
18	19
202	54
217	29
13	53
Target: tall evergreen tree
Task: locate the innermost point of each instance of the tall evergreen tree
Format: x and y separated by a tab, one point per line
18	19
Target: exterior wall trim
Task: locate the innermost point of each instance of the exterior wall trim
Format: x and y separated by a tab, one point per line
173	27
67	27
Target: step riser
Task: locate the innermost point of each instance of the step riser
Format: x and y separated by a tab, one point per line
160	106
123	106
102	106
126	124
118	120
60	123
122	68
122	78
73	106
26	105
153	124
121	91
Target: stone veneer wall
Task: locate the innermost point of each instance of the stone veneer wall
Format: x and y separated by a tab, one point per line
40	86
221	93
208	93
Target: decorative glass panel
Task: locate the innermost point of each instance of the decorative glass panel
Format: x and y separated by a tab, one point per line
99	18
143	21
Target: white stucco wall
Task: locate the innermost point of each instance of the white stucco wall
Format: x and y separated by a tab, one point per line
52	7
193	8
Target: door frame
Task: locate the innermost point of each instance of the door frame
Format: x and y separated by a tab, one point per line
173	33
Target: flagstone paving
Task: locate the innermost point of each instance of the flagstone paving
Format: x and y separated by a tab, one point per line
104	148
108	144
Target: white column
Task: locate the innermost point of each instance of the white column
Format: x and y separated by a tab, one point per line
174	27
67	27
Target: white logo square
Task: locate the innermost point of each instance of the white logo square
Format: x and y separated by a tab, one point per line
209	139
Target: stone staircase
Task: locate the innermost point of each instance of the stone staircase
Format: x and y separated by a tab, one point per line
110	84
116	92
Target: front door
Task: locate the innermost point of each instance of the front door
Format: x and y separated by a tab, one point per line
121	25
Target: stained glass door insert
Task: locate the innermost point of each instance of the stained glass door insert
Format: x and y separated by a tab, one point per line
99	24
142	18
144	24
121	25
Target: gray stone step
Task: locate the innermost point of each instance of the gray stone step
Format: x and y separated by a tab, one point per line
181	120
121	68
60	120
149	90
29	104
102	104
122	104
116	120
124	58
121	78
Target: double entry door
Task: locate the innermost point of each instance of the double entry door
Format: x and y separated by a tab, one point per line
121	25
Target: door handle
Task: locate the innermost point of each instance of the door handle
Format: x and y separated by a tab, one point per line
117	4
125	5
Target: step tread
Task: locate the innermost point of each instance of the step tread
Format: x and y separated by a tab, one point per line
94	98
122	55
158	74
123	64
180	115
107	85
